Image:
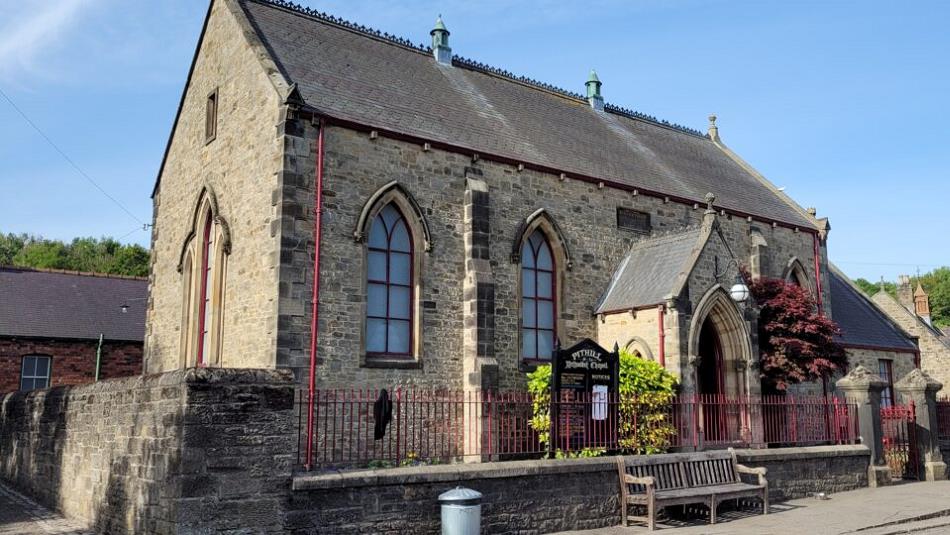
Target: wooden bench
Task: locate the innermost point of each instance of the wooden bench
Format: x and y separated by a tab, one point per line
711	477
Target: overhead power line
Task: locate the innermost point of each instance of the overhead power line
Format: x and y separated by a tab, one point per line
68	159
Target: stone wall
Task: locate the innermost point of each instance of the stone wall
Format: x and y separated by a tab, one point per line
205	450
357	165
934	351
73	362
240	165
532	496
901	363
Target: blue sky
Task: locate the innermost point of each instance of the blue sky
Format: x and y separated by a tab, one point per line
845	104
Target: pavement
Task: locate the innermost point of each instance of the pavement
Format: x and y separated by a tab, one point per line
20	515
919	508
914	507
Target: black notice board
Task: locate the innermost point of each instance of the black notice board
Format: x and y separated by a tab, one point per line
585	384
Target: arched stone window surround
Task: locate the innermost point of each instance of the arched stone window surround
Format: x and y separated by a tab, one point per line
395	195
541	221
206	217
394	191
734	337
639	345
795	272
759	256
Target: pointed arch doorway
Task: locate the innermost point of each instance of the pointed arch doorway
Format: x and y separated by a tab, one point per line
720	342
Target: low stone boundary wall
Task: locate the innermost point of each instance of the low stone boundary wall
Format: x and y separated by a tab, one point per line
199	450
212	451
531	496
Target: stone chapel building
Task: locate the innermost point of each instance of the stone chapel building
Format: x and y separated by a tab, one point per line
460	220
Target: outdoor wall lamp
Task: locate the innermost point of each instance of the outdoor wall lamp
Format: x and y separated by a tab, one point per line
124	307
739	291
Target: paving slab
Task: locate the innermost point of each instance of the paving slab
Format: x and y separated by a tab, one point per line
20	515
922	507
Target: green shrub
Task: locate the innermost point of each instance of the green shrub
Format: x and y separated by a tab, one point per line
646	393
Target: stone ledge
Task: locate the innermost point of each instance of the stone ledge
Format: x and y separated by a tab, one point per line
807	452
189	376
511	469
451	472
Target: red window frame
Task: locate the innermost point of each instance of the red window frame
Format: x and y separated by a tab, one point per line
536	298
388	252
886	371
204	296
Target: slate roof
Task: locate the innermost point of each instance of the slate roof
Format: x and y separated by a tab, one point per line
861	322
649	271
353	75
48	304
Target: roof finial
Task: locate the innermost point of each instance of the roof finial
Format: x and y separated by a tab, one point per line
593	91
713	129
709	216
440	42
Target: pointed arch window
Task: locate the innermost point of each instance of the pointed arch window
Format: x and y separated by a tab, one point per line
205	306
538	298
203	266
390	301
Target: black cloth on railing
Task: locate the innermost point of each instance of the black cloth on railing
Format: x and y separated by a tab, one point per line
382	413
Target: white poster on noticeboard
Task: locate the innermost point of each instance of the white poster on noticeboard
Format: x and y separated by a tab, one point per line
599	402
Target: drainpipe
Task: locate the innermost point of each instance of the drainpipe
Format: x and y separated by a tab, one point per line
98	357
662	353
315	299
821	310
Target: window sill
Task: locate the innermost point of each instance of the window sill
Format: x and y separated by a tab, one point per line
395	363
531	365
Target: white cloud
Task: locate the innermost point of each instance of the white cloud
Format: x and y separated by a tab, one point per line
34	28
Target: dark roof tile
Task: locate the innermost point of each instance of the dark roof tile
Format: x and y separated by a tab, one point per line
861	322
358	77
36	303
648	273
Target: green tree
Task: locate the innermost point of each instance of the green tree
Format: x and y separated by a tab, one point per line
103	255
43	254
10	245
937	284
872	288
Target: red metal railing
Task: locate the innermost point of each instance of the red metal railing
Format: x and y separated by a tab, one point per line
898	425
943	419
443	426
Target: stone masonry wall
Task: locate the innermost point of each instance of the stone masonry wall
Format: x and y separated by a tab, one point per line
73	362
240	165
934	353
901	363
527	497
192	451
357	165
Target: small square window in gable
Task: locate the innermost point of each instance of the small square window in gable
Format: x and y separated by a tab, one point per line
634	220
211	116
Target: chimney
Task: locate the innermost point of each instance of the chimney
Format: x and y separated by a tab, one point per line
440	42
905	295
922	303
593	91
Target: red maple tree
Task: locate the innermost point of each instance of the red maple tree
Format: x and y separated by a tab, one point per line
797	344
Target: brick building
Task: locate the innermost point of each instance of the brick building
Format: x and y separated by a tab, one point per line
51	323
468	219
